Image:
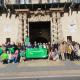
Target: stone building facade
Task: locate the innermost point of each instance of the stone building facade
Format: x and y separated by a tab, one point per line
62	24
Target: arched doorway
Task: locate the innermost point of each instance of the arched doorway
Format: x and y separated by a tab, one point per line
39	31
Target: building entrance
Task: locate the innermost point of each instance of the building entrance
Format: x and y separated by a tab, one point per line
39	32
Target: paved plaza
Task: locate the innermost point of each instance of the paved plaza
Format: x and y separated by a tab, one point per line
40	68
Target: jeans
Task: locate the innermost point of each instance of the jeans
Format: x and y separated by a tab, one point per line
12	60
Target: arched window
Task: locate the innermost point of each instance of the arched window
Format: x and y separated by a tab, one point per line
76	1
40	1
21	1
69	0
30	1
17	1
55	1
48	1
1	2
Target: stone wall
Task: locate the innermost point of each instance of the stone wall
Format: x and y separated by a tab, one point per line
13	28
8	28
71	26
67	25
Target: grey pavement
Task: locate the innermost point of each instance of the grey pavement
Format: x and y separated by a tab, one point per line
68	65
40	68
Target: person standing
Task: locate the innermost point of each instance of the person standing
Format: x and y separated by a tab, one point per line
62	48
69	51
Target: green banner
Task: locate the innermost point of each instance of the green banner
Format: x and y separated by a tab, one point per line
36	53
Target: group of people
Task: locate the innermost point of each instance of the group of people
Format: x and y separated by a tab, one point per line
65	50
12	53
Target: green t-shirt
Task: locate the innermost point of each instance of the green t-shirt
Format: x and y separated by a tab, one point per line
1	51
4	56
11	50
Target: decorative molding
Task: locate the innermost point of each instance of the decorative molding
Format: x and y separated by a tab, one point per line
39	15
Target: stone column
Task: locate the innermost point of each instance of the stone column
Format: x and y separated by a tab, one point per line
20	28
25	25
54	28
59	28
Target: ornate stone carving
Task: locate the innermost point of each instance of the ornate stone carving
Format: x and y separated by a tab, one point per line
55	28
20	28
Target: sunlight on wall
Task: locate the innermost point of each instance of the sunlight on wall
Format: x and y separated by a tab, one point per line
71	26
8	28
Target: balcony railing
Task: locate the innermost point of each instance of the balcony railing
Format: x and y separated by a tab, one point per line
30	1
75	1
38	1
1	2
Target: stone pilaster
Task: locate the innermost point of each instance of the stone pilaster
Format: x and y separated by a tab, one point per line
25	25
54	27
59	28
20	29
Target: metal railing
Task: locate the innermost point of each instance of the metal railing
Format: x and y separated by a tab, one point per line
30	1
1	2
38	1
75	1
